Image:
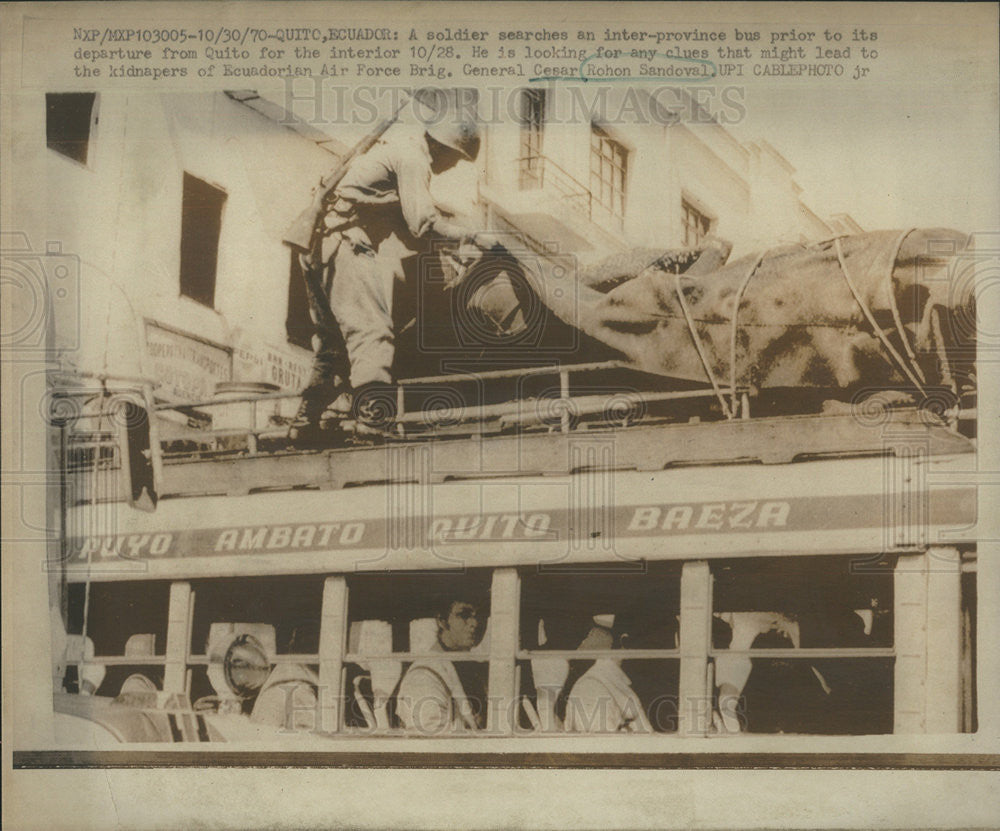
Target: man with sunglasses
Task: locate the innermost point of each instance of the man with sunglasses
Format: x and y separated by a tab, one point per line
440	695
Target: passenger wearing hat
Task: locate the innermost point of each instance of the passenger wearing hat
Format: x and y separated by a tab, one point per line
384	213
602	700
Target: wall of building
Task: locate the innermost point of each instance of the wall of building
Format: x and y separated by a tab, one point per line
121	214
748	190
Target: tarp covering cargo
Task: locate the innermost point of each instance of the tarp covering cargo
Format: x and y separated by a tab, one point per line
877	308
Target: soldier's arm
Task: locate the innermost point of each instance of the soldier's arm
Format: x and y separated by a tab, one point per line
413	179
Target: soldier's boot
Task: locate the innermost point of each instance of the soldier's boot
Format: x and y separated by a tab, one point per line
374	407
307	428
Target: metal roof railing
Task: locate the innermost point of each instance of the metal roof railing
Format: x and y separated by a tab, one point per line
530	433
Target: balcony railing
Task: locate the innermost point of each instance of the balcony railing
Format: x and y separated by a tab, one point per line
538	171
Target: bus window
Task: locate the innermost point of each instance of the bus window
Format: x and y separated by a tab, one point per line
802	646
247	631
623	624
124	620
417	652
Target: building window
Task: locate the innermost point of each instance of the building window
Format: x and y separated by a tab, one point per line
696	224
532	127
201	223
298	323
68	119
608	169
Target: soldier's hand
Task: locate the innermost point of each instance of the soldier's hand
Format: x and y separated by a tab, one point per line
305	260
485	241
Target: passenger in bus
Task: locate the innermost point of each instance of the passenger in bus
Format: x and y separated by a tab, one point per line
288	699
438	695
79	675
784	696
860	699
602	700
727	710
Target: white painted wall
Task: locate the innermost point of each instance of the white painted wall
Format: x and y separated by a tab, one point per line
749	190
121	214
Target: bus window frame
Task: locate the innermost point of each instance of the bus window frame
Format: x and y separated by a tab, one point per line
923	631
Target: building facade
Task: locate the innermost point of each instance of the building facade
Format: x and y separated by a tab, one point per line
621	168
177	204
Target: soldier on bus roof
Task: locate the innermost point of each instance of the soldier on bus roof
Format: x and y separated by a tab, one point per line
383	213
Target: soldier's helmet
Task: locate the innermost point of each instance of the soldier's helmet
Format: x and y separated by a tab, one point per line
449	119
462	136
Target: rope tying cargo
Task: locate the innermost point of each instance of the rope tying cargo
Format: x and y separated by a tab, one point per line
701	351
736	313
893	257
871	318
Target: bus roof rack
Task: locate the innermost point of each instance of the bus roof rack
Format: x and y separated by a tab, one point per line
667	425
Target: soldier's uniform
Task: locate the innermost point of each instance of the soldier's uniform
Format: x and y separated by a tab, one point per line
382	214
